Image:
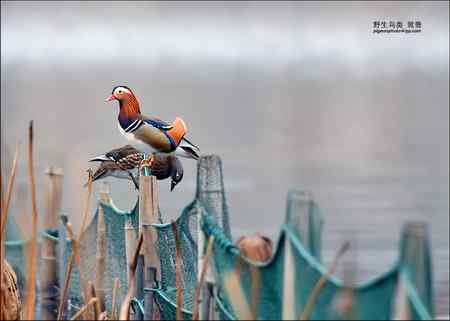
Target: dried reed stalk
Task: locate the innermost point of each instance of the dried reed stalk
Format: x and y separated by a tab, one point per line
322	281
125	307
69	268
98	308
76	242
63	296
178	272
5	207
90	315
31	284
203	272
1	190
5	203
10	305
116	286
84	308
77	257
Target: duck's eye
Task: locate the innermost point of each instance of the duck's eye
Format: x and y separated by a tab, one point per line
120	91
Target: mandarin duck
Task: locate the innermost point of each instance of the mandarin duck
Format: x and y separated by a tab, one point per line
151	132
125	162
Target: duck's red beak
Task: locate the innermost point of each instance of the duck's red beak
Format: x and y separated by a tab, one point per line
112	97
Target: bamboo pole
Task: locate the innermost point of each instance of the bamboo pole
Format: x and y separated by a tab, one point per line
149	282
104	192
130	245
53	196
49	272
100	258
116	286
49	279
203	272
125	307
139	293
178	272
148	214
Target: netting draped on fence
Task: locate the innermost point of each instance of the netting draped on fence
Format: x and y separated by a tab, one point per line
115	256
284	283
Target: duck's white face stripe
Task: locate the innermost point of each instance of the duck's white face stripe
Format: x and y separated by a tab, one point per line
121	90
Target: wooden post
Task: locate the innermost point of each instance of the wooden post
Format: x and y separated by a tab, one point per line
49	278
100	259
148	214
139	294
130	245
104	192
149	282
49	272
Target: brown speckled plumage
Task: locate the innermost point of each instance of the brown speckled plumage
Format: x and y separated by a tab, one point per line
124	163
130	162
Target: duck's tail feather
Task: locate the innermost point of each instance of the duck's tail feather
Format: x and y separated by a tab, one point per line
187	149
100	158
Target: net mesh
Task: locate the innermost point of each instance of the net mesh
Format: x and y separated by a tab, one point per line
288	279
284	283
115	256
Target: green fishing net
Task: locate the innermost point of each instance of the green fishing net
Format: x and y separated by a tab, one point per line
115	256
284	283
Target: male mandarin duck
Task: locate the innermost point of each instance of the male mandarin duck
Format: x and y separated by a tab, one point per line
124	162
153	133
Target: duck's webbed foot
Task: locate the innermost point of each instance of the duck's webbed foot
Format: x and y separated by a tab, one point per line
147	162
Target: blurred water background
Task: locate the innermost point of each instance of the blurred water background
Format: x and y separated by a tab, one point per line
288	94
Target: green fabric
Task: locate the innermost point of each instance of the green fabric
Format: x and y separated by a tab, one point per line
15	255
15	247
